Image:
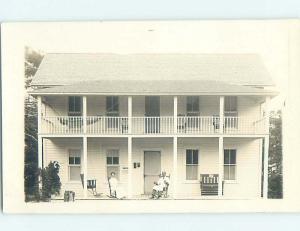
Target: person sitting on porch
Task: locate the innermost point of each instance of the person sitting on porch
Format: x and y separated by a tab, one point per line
165	181
115	189
160	186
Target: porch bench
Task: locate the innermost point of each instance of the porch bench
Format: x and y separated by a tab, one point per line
209	184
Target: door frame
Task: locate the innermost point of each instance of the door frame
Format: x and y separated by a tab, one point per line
143	159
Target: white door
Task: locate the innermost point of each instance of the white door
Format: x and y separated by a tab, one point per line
152	168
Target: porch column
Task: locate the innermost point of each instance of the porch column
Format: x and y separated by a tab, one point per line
40	144
85	166
84	102
221	124
175	114
129	193
129	114
221	165
266	149
174	167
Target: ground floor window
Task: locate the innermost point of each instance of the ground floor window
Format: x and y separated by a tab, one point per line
74	164
192	164
113	163
229	164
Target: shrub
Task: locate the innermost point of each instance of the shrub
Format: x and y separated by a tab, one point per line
50	180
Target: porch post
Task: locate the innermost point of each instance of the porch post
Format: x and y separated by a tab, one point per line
129	114
174	167
266	149
221	165
129	193
175	114
85	166
221	124
84	110
40	144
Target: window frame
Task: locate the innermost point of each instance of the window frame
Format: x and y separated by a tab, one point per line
193	112
230	165
193	164
230	112
117	154
109	108
75	113
74	164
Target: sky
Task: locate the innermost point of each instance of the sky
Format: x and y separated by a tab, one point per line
269	39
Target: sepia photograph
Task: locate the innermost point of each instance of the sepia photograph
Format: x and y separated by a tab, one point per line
150	116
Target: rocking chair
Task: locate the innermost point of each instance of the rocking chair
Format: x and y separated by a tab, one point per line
91	185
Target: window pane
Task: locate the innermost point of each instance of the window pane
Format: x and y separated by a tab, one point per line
195	156
189	157
232	173
226	156
109	160
115	160
71	160
114	169
192	104
232	156
112	104
75	173
77	104
77	160
191	172
226	173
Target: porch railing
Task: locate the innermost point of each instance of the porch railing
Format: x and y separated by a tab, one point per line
152	125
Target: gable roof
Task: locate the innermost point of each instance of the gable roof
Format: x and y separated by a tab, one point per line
72	68
159	87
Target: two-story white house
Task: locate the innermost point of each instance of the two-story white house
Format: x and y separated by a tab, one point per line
139	114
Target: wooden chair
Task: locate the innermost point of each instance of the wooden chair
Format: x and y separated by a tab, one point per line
209	184
91	185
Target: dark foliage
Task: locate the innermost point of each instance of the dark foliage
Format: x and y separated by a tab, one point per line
50	181
275	156
31	171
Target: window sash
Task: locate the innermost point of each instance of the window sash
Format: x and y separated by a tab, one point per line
230	104
192	157
74	172
112	105
192	105
191	172
75	107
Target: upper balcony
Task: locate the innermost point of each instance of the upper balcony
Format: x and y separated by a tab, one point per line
152	115
186	125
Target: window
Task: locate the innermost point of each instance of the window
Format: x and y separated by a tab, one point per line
192	164
112	105
192	106
74	165
229	164
74	106
112	162
230	107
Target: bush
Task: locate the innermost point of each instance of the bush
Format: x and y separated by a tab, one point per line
50	180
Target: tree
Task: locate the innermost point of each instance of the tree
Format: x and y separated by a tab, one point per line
275	155
31	171
50	180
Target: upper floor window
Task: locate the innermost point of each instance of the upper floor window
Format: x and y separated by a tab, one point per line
74	164
112	162
229	164
112	105
192	161
230	107
192	105
75	106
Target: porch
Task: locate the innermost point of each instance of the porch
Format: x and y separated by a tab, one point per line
184	159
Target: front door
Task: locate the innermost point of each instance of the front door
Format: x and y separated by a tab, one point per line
152	113
152	168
